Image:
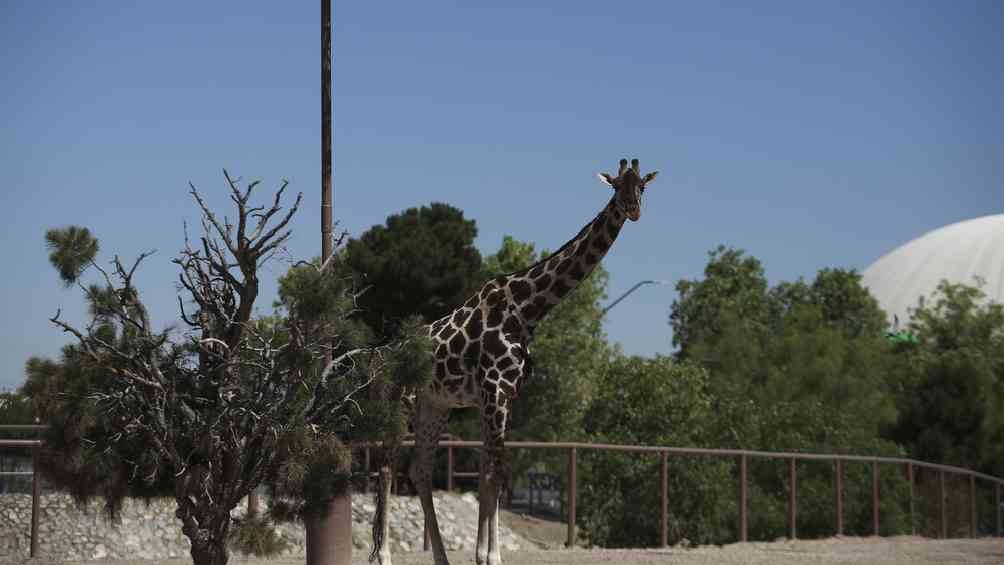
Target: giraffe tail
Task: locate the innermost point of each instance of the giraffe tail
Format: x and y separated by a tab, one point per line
378	522
385	476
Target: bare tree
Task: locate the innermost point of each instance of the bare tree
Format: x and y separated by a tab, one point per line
220	401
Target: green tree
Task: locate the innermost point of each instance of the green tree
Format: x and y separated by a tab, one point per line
797	367
654	402
820	342
422	261
15	409
218	407
732	284
309	475
951	397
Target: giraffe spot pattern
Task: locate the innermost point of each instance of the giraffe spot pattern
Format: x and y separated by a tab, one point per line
561	289
457	343
493	345
474	327
577	272
494	317
521	290
512	326
529	312
612	231
472	354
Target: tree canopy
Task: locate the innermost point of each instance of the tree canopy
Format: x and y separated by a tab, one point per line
421	261
951	396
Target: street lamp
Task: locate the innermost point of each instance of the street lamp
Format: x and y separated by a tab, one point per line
629	291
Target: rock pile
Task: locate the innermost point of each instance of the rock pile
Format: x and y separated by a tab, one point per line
151	531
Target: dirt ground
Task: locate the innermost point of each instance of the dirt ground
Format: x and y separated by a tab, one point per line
903	550
549	537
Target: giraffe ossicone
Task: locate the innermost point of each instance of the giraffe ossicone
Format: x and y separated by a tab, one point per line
481	358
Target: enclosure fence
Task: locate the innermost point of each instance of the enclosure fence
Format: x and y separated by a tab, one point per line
34	445
743	456
662	452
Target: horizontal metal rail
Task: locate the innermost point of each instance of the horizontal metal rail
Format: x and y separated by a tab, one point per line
710	451
21	443
22	427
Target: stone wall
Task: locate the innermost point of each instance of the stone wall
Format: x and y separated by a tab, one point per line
151	531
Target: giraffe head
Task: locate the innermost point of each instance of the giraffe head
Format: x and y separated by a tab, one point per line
629	185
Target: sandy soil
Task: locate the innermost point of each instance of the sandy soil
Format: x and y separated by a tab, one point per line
903	550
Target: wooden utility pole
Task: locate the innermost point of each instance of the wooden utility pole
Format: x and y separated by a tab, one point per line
326	240
329	537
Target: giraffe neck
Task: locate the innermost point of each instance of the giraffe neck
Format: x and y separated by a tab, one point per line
538	289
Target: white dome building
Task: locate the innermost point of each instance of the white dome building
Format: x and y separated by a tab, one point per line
957	252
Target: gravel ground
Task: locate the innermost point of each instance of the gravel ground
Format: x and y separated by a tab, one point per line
903	550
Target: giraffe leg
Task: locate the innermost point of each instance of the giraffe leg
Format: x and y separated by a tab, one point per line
492	471
430	421
382	518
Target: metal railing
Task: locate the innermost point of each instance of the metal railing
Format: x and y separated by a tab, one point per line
34	445
743	456
573	448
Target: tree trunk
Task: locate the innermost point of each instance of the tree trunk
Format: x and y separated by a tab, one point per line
210	553
209	545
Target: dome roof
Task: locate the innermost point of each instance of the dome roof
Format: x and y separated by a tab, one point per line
957	252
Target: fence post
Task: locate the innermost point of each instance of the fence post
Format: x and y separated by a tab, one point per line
875	498
664	514
942	503
34	502
840	496
571	497
366	470
997	504
792	496
742	498
449	469
530	485
909	477
972	506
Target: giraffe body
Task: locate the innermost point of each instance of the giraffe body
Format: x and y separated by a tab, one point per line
482	357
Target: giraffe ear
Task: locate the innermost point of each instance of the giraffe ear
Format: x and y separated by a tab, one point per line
607	179
649	177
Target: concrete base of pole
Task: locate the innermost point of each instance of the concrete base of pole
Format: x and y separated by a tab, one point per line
329	539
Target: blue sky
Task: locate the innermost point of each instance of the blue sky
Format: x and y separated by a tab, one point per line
810	134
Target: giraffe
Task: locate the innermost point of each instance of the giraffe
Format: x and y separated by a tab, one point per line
482	356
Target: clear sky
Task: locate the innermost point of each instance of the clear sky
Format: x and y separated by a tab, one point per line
811	134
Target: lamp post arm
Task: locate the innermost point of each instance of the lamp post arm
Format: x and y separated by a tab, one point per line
629	291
